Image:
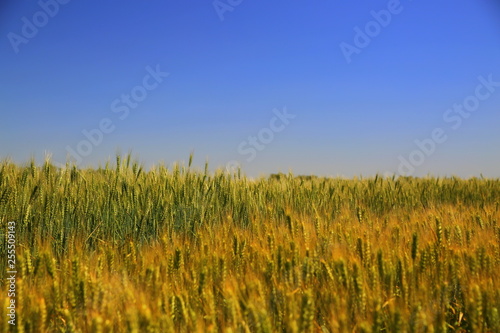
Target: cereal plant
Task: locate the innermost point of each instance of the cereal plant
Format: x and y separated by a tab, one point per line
121	249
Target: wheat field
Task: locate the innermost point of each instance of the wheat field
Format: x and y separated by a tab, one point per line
121	249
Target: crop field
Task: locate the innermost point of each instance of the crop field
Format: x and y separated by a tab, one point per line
121	249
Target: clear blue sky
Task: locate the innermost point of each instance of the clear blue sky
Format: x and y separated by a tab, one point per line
356	112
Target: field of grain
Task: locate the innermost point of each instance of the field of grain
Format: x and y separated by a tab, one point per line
119	249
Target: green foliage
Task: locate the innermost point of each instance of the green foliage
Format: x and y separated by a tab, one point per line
121	249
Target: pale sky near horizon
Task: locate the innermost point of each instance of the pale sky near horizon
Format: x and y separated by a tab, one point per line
323	87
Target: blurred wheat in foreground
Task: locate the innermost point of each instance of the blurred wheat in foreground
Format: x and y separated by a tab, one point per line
119	249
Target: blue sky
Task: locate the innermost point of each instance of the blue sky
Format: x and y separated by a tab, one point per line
233	66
